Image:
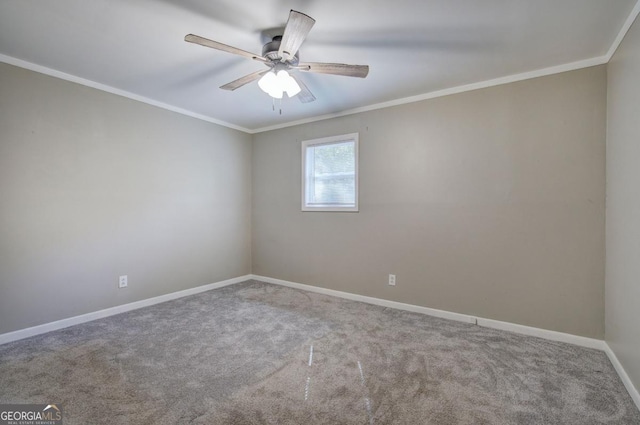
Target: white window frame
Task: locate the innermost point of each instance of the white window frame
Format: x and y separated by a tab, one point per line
352	137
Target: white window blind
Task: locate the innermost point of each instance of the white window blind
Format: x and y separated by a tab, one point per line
330	174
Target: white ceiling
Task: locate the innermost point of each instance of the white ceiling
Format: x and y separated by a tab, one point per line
413	47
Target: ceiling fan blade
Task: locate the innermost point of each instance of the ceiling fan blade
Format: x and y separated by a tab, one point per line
305	95
360	71
236	84
296	30
191	38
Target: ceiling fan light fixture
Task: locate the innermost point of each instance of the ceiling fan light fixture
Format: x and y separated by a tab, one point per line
268	83
276	84
287	83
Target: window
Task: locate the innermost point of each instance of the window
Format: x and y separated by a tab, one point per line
330	174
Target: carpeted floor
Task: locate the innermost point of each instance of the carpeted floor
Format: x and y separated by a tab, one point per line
255	353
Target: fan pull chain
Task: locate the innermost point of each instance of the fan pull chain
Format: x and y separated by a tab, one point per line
273	105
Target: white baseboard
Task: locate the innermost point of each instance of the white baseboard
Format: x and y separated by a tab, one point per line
582	341
370	300
633	391
76	320
488	323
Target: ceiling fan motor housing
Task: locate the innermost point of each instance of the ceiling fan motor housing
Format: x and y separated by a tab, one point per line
270	51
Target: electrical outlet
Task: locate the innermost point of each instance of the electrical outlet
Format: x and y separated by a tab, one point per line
122	282
392	279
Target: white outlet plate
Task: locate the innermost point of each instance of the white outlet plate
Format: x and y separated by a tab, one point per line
123	282
392	279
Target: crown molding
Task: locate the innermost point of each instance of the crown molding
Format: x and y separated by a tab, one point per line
447	92
572	66
623	31
109	89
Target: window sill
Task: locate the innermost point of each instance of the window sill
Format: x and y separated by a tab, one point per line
330	209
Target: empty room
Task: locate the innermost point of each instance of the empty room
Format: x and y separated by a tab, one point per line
319	212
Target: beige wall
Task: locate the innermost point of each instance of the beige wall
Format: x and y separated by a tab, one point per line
489	203
93	186
623	205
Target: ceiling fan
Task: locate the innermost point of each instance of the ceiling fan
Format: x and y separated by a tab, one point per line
281	55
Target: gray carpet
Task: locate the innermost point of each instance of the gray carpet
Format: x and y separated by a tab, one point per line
255	353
